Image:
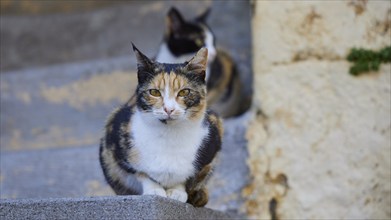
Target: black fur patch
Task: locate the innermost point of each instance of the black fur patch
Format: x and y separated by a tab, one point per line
141	102
185	37
230	88
183	42
144	76
120	139
215	78
145	67
115	185
102	145
210	145
197	79
193	99
168	67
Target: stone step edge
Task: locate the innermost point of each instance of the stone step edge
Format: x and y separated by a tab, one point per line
113	207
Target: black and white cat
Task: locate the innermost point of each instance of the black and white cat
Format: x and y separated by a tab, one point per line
182	39
165	141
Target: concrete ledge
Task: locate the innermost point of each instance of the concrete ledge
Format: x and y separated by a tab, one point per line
116	207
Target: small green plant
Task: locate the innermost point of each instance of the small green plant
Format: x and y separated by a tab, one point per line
367	60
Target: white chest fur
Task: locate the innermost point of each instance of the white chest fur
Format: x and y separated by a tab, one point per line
166	152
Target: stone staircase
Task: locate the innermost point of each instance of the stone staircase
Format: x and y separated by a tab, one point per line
52	116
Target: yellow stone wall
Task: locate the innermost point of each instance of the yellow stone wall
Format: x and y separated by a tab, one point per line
319	145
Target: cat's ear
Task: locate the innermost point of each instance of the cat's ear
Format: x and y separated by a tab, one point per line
174	20
197	64
202	17
142	60
144	65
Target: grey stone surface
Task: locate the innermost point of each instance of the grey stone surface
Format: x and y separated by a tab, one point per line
119	207
52	173
231	174
33	41
32	103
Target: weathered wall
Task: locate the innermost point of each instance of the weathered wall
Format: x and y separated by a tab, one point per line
320	143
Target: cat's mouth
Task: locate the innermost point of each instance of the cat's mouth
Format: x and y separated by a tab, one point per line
165	121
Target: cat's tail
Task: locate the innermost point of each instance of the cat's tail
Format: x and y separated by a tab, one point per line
196	187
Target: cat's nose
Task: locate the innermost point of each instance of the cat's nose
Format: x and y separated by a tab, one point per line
168	111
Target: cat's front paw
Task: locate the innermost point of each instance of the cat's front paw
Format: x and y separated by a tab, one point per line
177	194
155	191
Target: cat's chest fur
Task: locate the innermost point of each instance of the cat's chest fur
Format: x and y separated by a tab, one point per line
166	152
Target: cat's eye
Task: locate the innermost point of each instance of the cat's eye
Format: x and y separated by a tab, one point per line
198	41
183	92
154	92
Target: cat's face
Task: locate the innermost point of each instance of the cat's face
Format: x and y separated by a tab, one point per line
172	93
187	37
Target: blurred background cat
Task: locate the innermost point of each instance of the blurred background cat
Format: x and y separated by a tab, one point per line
182	38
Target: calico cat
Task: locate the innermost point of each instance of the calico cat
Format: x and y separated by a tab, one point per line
165	141
182	39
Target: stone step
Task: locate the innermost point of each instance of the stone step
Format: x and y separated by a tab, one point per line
63	105
52	173
119	207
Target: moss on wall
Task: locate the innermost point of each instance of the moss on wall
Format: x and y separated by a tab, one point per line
365	60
